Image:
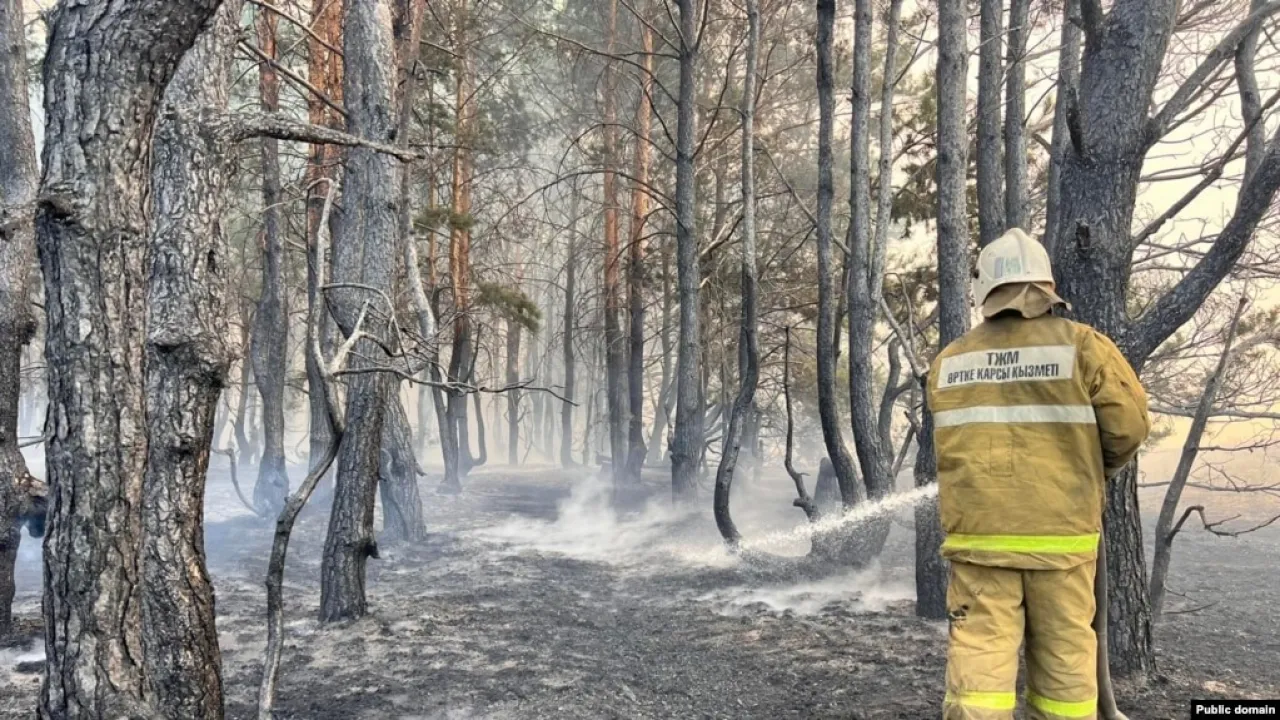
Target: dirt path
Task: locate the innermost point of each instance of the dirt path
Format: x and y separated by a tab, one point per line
532	602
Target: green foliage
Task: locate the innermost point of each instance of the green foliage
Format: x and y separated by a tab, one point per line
511	304
431	218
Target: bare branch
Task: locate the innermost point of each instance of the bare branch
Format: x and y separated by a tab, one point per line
1194	84
283	127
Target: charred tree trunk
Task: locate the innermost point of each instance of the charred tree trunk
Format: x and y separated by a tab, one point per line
864	285
953	276
687	443
186	367
364	253
570	289
324	70
828	409
402	516
1015	113
18	183
751	357
105	72
666	388
615	383
513	396
990	74
240	427
1112	130
271	326
1068	84
637	451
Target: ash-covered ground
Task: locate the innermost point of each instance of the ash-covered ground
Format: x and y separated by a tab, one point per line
534	599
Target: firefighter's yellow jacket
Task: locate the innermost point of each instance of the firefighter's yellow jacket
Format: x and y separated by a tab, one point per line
1031	416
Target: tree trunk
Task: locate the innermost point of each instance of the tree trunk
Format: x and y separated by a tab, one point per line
18	183
186	367
687	443
513	396
460	252
570	282
105	71
1015	113
666	388
873	458
240	427
953	282
828	410
990	73
402	517
615	362
637	451
1068	84
324	70
271	329
365	253
751	356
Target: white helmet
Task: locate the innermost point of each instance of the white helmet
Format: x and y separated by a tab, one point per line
1012	258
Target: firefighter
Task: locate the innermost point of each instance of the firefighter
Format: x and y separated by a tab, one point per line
1032	414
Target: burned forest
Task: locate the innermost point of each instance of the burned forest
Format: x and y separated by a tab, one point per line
582	358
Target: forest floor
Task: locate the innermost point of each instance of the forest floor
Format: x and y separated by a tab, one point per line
531	599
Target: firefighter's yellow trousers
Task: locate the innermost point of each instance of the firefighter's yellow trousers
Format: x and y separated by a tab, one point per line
991	610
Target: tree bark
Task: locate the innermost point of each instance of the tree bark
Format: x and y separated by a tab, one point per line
637	451
863	289
364	252
615	362
324	70
1015	113
953	286
666	388
106	67
1068	85
402	516
271	326
513	396
750	373
990	73
460	252
18	183
828	410
186	368
570	289
687	443
1112	130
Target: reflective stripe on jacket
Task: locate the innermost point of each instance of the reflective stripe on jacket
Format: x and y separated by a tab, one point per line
1030	417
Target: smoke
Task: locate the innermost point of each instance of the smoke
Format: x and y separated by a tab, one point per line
655	538
856	591
588	527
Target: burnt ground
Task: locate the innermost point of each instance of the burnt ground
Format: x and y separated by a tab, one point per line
531	600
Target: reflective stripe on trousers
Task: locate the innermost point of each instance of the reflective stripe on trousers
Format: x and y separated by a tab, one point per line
991	611
1047	544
